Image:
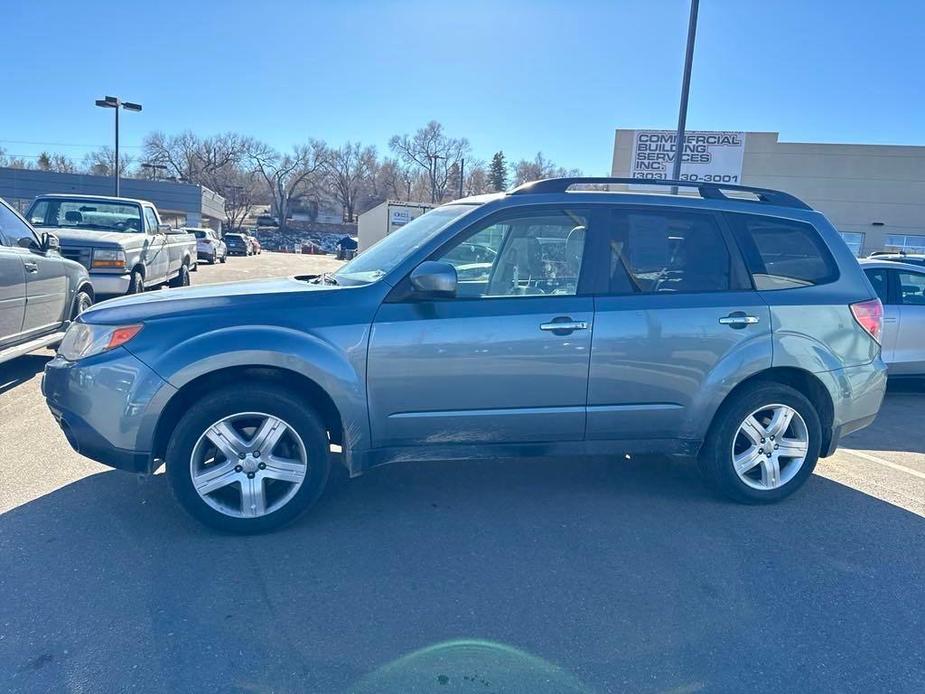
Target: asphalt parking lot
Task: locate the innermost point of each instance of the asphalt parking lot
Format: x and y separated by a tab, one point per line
505	576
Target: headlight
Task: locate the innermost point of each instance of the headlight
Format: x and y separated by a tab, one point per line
108	257
85	339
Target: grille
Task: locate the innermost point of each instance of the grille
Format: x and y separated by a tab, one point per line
81	255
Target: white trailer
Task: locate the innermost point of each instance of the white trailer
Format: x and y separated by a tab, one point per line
386	217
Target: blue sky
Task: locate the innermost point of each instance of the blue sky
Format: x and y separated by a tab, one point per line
518	76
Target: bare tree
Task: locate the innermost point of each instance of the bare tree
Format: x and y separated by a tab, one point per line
102	162
213	162
347	172
477	180
242	194
539	168
59	163
289	176
433	153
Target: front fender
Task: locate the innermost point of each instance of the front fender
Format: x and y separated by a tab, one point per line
334	358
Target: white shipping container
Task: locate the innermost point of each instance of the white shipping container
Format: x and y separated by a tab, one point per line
377	223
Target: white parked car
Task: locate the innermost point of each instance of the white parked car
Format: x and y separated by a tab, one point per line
209	246
901	288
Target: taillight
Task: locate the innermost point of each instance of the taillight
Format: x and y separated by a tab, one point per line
869	315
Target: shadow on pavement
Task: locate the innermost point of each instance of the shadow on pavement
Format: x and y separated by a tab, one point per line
22	369
896	425
626	574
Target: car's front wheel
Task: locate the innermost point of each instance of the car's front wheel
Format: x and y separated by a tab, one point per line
763	445
248	462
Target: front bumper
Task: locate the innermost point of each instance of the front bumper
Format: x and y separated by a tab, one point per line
110	283
107	406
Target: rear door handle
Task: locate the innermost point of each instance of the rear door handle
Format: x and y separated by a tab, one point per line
32	267
738	319
564	325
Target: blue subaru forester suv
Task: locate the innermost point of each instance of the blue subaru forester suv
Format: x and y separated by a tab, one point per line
733	328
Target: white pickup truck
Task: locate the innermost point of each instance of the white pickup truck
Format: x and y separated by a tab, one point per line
121	241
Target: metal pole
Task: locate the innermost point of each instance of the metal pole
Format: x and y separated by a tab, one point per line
117	149
462	170
685	89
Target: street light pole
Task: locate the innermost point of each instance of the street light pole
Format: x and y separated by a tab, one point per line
114	102
685	89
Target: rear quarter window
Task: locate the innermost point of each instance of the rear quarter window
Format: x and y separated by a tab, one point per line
782	253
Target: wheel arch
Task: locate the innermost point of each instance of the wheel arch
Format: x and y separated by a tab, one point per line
292	381
805	382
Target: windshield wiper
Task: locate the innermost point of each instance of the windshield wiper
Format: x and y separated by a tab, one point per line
324	278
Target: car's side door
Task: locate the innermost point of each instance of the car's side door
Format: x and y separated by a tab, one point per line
883	281
909	350
47	297
12	292
505	360
156	254
675	319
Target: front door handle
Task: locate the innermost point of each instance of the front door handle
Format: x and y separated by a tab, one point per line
32	267
738	320
563	325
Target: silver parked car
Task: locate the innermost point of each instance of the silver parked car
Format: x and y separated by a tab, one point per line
901	288
40	292
740	333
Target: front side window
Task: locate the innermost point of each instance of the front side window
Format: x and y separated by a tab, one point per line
151	219
912	288
521	254
783	253
13	229
98	215
666	251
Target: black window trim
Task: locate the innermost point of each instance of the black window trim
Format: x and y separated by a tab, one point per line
739	277
5	240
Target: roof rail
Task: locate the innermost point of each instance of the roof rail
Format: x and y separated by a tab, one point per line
710	190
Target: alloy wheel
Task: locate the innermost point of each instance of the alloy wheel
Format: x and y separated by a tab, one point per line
248	465
770	447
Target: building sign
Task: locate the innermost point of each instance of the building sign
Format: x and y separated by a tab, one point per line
709	156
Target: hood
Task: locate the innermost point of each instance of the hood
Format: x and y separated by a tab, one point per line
87	237
178	301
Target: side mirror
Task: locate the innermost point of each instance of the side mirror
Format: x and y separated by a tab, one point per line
50	242
164	228
434	279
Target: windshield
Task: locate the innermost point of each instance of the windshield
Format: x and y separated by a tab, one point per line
386	254
98	215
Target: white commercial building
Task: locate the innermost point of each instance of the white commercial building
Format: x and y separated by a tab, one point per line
873	194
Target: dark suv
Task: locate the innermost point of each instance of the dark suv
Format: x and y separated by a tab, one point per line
734	328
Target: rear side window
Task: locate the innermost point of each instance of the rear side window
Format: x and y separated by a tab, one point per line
782	253
912	288
666	251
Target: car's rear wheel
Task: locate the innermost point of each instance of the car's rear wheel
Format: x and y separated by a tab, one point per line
182	278
763	445
223	258
248	462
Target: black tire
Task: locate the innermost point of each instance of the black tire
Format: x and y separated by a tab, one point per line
268	399
212	259
82	301
223	258
136	284
715	460
182	279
